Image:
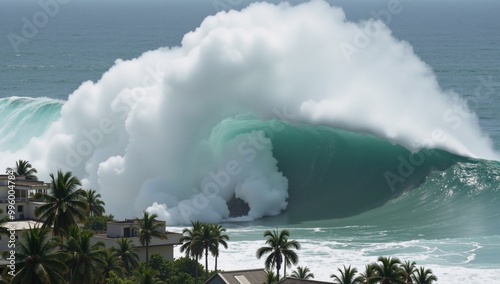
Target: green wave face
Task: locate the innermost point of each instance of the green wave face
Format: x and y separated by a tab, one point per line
24	118
336	177
346	178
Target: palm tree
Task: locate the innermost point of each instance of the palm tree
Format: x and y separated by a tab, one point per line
150	228
271	278
303	273
289	259
65	206
24	168
112	263
207	240
94	204
86	259
347	276
388	271
220	238
423	276
408	268
277	247
191	248
127	252
147	276
367	275
37	259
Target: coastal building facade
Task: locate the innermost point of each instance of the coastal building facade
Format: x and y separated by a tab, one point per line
129	229
21	195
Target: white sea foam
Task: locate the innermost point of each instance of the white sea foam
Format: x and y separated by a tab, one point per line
150	129
450	260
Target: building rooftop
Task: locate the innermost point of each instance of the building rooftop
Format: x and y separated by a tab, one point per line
249	276
290	280
22	225
32	184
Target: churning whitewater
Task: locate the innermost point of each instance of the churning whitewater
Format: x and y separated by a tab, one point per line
252	108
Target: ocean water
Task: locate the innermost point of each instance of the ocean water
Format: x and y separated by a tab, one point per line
444	214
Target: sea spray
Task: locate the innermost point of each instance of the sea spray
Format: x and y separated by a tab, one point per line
252	62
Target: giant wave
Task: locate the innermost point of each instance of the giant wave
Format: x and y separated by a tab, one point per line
258	114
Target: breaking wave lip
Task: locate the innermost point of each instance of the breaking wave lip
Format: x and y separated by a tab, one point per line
24	118
166	126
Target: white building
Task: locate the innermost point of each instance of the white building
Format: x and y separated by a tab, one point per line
128	229
18	227
24	191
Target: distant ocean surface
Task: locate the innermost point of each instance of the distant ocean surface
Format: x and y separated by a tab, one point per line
449	221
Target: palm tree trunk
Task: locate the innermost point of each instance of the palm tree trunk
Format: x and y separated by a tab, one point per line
196	269
147	255
206	263
215	264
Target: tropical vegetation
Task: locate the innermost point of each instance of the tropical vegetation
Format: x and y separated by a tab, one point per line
64	203
149	228
302	273
24	168
347	275
95	206
201	239
70	255
278	250
387	270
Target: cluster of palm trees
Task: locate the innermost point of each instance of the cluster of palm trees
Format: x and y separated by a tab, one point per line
72	258
280	252
386	270
202	239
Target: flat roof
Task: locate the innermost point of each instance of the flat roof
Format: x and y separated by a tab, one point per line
22	225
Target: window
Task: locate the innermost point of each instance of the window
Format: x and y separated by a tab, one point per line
126	232
20	208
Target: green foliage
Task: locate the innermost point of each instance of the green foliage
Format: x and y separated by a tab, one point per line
128	253
347	275
114	279
302	273
95	206
181	270
204	238
149	228
65	206
271	278
86	259
278	250
98	223
37	259
24	168
423	276
187	265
